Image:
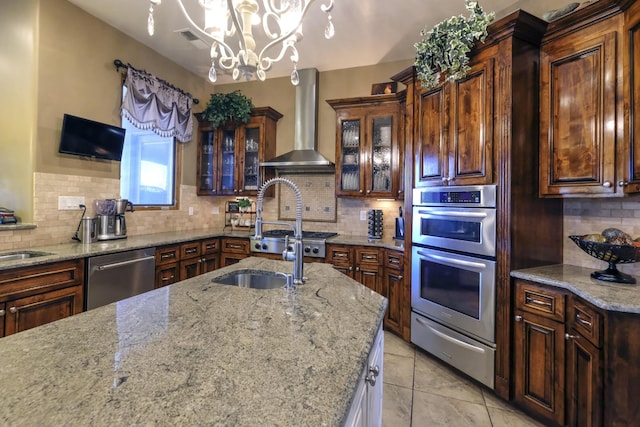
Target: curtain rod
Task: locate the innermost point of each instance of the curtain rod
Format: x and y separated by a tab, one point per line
119	64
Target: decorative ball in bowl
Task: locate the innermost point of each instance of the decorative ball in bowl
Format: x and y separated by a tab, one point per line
611	253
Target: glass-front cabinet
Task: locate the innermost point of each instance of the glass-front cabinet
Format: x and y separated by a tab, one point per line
229	157
369	146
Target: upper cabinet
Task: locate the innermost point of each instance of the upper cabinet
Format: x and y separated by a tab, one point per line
455	130
588	120
229	157
369	146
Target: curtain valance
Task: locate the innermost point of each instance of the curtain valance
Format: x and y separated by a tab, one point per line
151	103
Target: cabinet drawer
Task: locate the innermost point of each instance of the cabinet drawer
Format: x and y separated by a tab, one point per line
368	256
22	282
238	246
167	254
538	300
586	320
339	255
189	250
210	246
394	259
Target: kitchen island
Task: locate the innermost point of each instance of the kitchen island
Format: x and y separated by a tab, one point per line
199	353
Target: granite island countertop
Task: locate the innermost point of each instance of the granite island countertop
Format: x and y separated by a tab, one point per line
199	353
609	296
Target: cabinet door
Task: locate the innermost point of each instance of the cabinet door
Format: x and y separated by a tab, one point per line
382	154
368	268
189	268
432	137
629	178
584	382
578	114
392	289
209	263
228	146
167	274
350	157
248	164
207	160
29	312
3	315
341	257
539	358
375	382
230	258
471	134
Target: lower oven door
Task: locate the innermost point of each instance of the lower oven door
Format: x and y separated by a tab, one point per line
469	356
455	290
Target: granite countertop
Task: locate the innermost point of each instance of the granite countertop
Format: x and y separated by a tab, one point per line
608	296
75	250
199	353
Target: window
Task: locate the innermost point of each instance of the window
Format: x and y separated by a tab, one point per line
148	172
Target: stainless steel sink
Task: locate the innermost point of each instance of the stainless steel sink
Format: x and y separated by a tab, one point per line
256	279
15	256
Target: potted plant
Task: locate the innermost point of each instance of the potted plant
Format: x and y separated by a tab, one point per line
443	50
244	204
224	108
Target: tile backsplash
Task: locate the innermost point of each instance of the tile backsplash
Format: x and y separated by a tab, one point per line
55	226
587	216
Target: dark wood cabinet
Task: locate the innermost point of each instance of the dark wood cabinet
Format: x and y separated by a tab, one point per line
454	129
34	296
233	250
393	287
342	258
229	157
588	143
584	381
368	267
369	146
180	262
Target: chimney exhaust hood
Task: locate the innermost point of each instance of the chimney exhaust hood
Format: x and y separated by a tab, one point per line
305	156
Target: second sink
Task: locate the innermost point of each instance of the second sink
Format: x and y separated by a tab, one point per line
15	256
256	279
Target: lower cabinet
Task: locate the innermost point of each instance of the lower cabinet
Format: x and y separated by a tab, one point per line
393	285
558	366
34	296
366	406
233	250
180	262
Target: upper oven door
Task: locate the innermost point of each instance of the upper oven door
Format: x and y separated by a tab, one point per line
470	230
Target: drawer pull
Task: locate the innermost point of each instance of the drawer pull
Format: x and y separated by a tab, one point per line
2	312
531	300
518	318
13	310
166	279
235	246
583	321
373	257
571	337
167	256
191	250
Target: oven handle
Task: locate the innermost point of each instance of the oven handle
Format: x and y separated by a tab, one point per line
454	214
451	339
452	261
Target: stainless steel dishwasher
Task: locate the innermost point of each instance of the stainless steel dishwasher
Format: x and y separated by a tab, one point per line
118	276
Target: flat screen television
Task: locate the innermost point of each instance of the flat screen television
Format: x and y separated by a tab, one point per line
87	138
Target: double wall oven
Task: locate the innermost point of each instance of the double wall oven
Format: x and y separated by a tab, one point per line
453	276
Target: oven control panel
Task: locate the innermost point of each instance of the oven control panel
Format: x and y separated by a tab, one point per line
471	196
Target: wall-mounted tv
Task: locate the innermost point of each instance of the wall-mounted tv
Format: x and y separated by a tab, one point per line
87	138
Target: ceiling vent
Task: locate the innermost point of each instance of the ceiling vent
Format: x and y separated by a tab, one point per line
196	41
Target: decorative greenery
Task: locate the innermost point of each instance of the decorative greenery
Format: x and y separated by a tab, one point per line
443	50
223	108
244	202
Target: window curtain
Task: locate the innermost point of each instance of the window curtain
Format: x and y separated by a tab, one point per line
153	104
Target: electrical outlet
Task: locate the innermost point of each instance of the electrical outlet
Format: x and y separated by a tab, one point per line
190	210
363	215
215	210
66	203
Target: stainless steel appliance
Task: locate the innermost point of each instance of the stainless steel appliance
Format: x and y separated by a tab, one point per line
114	277
273	242
111	218
453	276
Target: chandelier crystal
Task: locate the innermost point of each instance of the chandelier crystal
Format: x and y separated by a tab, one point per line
229	21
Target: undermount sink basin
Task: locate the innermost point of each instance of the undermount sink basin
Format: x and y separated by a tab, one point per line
256	279
15	256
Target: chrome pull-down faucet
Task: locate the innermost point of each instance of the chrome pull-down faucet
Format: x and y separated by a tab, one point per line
296	255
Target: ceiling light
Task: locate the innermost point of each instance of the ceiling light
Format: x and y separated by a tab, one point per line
231	20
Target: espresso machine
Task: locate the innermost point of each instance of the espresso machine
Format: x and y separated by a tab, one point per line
111	221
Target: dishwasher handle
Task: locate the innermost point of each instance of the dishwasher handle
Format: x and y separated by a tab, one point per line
121	263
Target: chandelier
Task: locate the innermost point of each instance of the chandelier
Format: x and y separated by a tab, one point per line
226	21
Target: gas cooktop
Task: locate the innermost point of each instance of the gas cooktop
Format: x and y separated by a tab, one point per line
272	242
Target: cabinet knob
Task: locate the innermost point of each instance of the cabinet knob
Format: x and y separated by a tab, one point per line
361	191
350	268
13	310
622	183
371	379
235	191
375	370
518	318
400	277
571	337
357	268
606	184
2	312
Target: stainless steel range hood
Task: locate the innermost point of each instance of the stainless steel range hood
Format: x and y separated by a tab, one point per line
305	156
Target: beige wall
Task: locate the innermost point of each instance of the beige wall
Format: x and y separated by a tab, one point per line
18	112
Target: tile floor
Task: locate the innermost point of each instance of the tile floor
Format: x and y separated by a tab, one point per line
419	391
